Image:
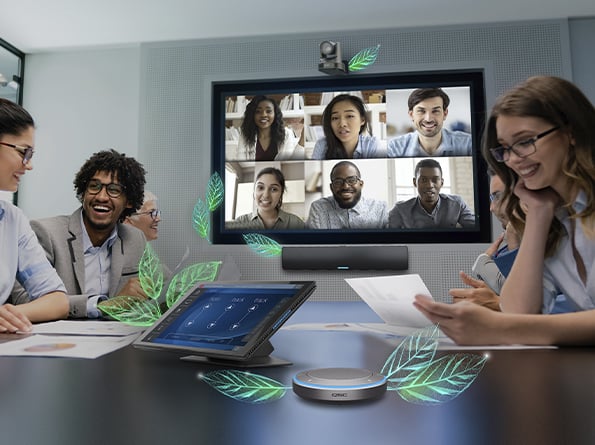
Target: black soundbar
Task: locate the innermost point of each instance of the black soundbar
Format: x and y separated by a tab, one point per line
368	257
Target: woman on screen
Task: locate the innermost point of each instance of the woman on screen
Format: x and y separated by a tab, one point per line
540	140
269	188
263	135
21	256
344	123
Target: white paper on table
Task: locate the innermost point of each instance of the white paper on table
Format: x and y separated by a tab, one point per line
64	346
391	297
86	327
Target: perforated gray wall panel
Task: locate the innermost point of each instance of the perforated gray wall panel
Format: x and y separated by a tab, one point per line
175	122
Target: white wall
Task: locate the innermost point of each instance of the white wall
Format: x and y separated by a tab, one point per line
82	102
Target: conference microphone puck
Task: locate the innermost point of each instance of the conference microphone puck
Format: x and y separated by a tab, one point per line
339	384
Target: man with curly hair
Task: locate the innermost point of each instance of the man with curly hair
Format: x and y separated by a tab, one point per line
94	253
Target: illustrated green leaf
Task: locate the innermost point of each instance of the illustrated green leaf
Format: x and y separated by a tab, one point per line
131	310
364	58
262	245
441	381
244	386
416	351
188	277
214	196
150	273
200	219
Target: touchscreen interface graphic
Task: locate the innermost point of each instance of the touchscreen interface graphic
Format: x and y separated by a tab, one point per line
222	318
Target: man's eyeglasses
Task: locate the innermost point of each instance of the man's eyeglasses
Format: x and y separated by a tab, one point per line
349	180
156	213
113	190
26	152
521	148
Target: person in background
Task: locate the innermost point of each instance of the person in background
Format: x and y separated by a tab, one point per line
263	135
540	140
428	109
22	258
485	289
269	188
347	208
346	131
147	218
430	209
94	253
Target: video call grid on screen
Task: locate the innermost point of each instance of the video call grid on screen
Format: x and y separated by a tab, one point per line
385	178
222	318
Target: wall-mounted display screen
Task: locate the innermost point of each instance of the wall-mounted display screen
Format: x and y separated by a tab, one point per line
355	159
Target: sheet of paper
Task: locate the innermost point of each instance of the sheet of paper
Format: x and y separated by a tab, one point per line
65	346
86	327
391	297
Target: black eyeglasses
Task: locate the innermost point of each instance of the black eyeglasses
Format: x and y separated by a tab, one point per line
521	148
26	152
114	190
154	213
349	180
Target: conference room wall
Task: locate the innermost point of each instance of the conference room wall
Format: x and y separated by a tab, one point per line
153	102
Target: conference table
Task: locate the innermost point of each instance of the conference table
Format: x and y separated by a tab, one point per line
132	396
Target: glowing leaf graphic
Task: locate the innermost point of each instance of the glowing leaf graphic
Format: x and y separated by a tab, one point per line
200	219
214	192
364	58
415	352
244	386
263	245
131	310
441	381
150	273
188	277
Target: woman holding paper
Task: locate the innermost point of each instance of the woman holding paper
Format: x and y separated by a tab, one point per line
540	139
22	258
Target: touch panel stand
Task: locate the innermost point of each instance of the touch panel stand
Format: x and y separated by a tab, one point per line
260	359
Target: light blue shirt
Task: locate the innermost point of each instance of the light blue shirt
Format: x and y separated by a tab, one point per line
367	147
325	213
22	257
454	143
98	261
560	272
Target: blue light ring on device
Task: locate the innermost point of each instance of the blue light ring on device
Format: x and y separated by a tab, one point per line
310	385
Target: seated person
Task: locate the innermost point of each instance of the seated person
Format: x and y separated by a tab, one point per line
347	208
344	123
147	218
22	258
263	135
430	209
96	255
269	188
428	109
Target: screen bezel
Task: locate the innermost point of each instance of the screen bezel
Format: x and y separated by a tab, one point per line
473	78
259	335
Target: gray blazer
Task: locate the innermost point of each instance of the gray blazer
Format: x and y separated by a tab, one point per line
62	239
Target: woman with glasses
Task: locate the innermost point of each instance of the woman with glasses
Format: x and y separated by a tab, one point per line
540	139
148	217
21	256
346	131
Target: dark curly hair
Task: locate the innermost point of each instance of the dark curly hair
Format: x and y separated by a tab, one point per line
130	174
250	130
